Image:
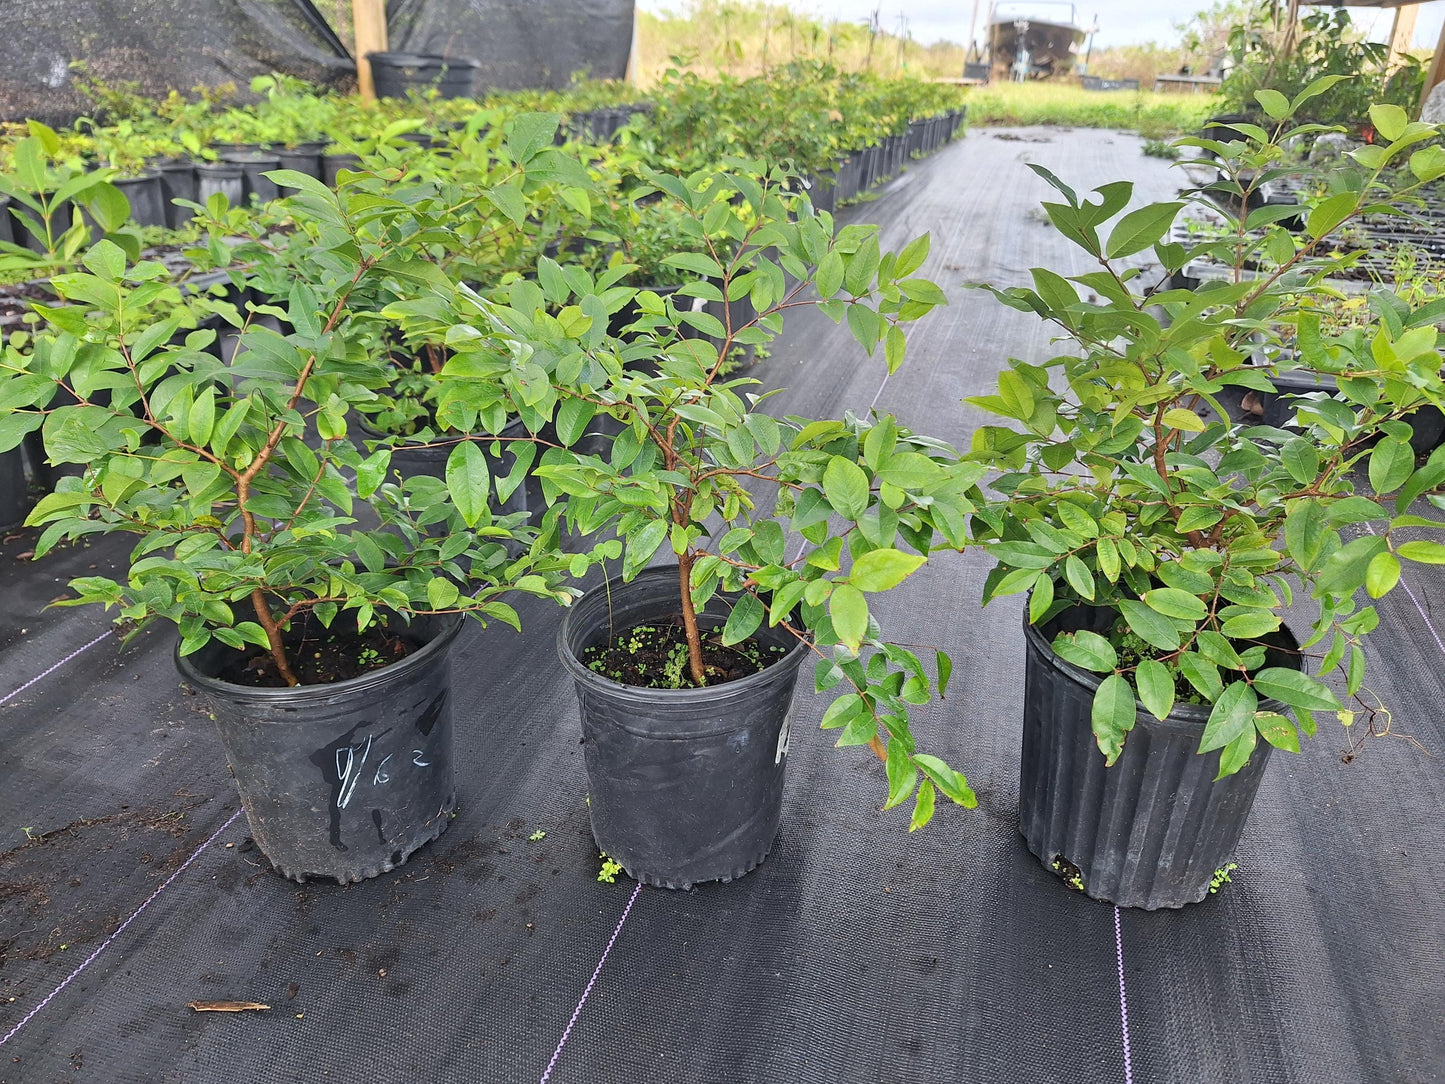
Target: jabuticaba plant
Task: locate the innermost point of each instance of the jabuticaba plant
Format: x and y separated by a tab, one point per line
1117	489
700	469
233	473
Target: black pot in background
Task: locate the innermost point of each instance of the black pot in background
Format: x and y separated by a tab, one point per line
14	490
342	781
7	229
396	73
1152	830
228	178
146	197
303	158
178	181
686	785
254	166
333	164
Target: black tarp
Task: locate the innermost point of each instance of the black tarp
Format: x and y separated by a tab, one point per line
158	44
520	43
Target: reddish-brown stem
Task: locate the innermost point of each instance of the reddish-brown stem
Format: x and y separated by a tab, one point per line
689	620
273	636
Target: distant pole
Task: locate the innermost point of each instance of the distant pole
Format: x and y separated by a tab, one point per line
1436	74
1402	34
972	30
369	19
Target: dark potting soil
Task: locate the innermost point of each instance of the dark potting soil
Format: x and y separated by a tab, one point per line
319	656
655	657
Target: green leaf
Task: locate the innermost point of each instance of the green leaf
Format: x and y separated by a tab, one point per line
1383	572
1185	420
1250	626
468	481
902	776
1086	649
1232	716
1079	576
747	615
1275	104
1202	674
1141	229
1426	553
849	610
912	256
922	806
529	133
1172	602
1391	464
641	545
884	569
830	274
442	593
1237	753
1041	599
1277	730
573	417
1328	214
1389	120
1113	715
846	487
1156	687
1301	459
1295	689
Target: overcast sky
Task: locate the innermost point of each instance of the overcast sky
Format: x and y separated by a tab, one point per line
1120	22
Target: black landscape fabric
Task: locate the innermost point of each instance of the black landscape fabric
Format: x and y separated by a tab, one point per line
856	954
520	43
158	45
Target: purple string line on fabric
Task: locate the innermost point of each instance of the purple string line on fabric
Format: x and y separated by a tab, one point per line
577	1012
1123	999
56	666
118	930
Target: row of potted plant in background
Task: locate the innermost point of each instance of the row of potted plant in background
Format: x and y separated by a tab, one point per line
810	115
1160	546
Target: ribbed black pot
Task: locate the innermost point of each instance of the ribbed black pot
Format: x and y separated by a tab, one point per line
684	785
341	781
396	73
1152	830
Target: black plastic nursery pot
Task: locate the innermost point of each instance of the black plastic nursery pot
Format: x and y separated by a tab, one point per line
684	785
146	197
254	167
228	178
1151	831
333	164
342	781
396	73
178	180
7	231
303	158
14	493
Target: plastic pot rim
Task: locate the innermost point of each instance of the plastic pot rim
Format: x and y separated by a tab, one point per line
1180	717
309	694
711	694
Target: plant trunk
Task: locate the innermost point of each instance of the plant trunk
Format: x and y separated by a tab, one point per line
273	637
689	620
